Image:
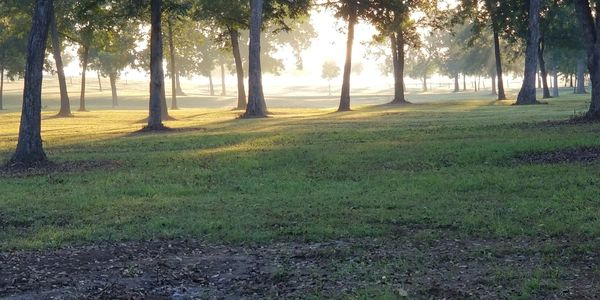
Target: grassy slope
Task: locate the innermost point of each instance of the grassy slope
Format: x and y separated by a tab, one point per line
306	174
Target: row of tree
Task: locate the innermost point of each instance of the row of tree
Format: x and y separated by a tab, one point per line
101	28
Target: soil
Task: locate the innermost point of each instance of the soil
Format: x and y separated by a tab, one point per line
60	167
581	154
185	269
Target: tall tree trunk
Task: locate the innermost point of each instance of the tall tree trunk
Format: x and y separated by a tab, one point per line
256	99
180	91
541	49
494	89
30	149
498	56
1	87
571	83
65	103
527	95
456	84
157	80
398	57
211	86
591	39
99	81
581	76
464	82
239	68
223	88
113	89
173	67
86	55
345	96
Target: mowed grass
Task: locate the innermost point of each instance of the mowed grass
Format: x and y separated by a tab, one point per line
307	175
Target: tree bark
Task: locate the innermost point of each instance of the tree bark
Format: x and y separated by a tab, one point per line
30	149
398	58
99	81
239	68
256	99
113	89
555	91
223	88
211	86
580	77
541	49
86	55
65	103
456	84
494	81
591	37
345	95
180	91
173	67
157	79
498	57
527	94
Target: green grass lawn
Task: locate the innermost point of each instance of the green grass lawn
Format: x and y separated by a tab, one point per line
308	175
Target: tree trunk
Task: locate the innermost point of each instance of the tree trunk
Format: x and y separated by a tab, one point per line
592	46
464	82
30	149
456	84
86	55
498	56
223	88
157	79
398	57
527	95
173	67
1	87
65	103
494	89
211	86
239	68
541	48
180	91
345	96
425	83
580	77
99	82
256	99
113	89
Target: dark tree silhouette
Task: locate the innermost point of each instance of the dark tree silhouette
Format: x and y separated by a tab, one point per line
157	80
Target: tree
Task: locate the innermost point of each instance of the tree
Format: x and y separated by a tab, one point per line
13	43
256	106
30	151
423	61
157	78
527	94
114	51
65	103
394	20
591	37
330	71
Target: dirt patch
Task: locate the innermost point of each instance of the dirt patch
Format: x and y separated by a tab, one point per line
581	154
441	268
60	167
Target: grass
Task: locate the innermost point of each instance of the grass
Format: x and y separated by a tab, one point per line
306	175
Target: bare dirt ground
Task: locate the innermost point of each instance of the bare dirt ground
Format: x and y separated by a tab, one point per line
451	268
